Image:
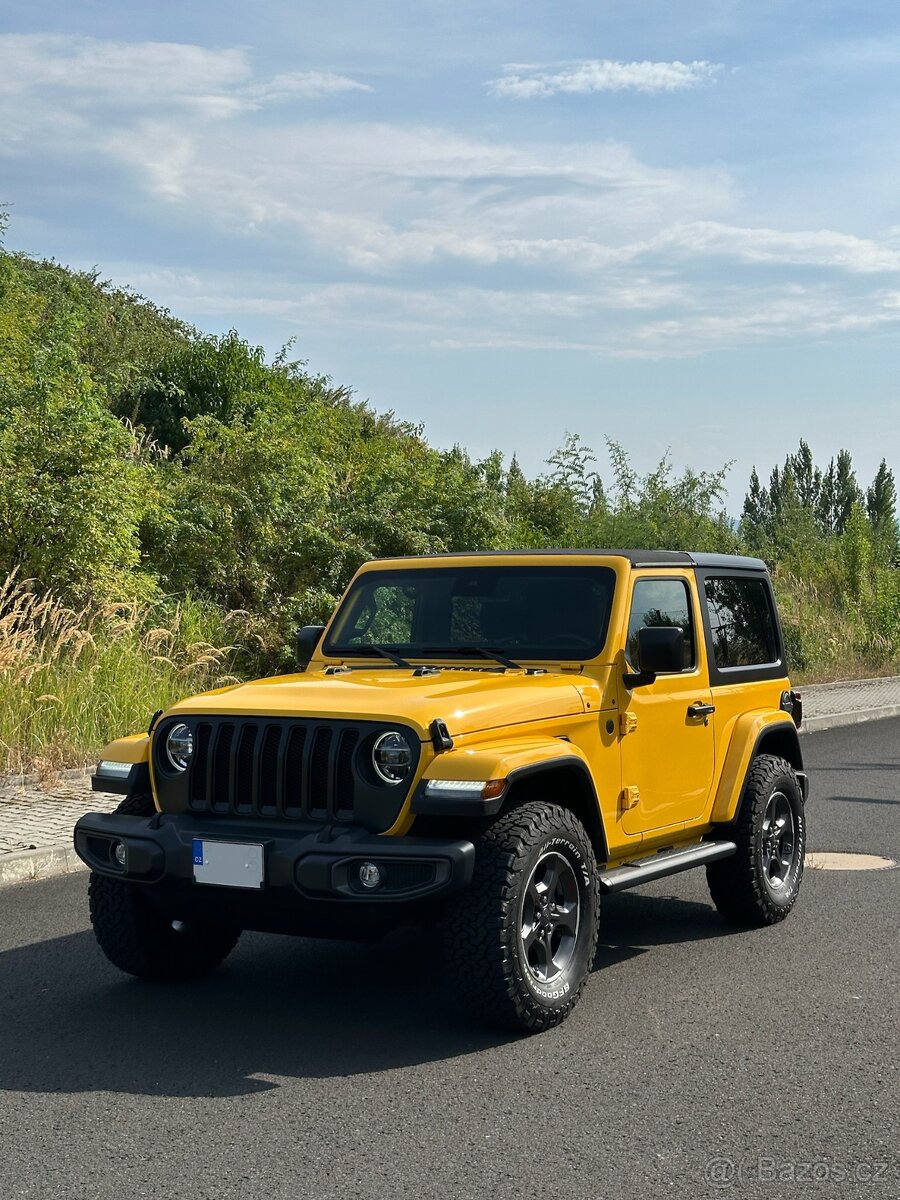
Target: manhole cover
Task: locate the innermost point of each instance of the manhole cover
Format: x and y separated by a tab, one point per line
826	860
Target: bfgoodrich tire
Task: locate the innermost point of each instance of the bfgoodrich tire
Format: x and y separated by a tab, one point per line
521	939
760	883
141	941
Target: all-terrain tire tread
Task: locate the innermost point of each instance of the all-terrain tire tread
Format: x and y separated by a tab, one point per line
734	883
479	926
137	939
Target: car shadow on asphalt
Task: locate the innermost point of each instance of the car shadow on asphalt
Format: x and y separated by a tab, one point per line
632	922
843	767
864	799
279	1007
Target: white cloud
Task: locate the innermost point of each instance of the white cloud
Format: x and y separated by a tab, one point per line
527	81
380	197
88	73
646	316
810	247
436	237
305	85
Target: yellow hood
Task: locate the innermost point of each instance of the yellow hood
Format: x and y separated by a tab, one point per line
469	701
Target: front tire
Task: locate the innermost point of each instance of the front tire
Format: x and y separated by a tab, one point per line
521	939
760	883
141	941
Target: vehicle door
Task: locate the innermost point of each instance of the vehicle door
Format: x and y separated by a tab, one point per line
667	729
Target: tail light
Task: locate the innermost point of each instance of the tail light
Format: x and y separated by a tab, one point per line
792	703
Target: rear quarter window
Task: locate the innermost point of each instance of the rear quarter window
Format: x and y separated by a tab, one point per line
742	622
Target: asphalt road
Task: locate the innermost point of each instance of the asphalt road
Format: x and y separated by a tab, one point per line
308	1069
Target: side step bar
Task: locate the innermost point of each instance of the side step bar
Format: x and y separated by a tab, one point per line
667	862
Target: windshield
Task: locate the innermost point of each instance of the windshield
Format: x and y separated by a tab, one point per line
540	612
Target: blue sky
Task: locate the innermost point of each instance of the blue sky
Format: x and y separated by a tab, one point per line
676	225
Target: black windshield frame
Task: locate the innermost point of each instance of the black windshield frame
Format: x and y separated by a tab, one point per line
575	588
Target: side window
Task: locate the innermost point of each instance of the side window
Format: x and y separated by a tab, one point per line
740	617
661	602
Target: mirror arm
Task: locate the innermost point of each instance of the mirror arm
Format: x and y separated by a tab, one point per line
633	679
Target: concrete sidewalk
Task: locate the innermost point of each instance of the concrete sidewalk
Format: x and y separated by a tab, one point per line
36	820
828	705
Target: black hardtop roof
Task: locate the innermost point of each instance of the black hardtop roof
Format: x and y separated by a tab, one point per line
637	558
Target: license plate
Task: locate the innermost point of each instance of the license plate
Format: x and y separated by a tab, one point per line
228	864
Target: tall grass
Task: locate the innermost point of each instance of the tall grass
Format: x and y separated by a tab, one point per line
833	632
71	680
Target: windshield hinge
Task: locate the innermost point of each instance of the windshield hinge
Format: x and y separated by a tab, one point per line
630	797
440	735
627	723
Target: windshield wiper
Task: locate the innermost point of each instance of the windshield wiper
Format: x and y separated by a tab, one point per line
476	651
373	648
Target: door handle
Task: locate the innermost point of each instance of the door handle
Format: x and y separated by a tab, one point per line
701	710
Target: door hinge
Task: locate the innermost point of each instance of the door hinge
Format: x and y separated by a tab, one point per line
630	797
627	723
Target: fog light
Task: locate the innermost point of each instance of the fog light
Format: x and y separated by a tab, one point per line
369	875
121	854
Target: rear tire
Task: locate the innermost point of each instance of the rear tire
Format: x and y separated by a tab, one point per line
141	941
521	939
759	884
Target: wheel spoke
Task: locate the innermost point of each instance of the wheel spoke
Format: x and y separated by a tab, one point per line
528	939
565	916
550	916
547	949
550	881
778	840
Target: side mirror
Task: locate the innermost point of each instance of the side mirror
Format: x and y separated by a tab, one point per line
660	651
307	640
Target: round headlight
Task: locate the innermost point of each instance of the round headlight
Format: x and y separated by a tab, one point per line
391	757
179	746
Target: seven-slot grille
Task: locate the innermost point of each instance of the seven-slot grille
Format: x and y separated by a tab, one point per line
266	769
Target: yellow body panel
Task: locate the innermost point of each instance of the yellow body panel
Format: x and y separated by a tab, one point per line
660	776
466	700
498	760
135	748
738	741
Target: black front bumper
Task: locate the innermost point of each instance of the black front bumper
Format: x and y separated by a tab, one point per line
304	866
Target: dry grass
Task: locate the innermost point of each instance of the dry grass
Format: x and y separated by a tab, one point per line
70	680
831	636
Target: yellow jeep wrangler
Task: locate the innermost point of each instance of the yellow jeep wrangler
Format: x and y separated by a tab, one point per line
484	743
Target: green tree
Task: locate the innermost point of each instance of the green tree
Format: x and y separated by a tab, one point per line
221	377
807	478
856	553
847	491
756	516
881	506
827	506
572	471
74	482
